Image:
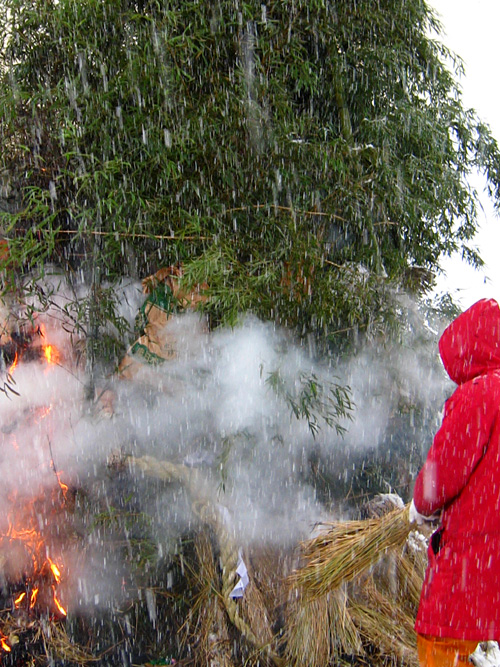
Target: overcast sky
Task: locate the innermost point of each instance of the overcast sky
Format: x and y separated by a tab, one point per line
471	31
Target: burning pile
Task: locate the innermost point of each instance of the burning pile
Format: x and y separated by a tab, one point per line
31	576
27	343
40	581
31	566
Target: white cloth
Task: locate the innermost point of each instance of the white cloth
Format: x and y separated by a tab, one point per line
242	573
487	654
420	519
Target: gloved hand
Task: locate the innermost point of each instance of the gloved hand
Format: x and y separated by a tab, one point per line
420	519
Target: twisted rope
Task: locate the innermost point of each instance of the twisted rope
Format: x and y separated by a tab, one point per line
212	514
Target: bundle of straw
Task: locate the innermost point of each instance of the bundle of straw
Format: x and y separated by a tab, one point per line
307	637
318	631
347	549
209	633
410	573
385	626
386	637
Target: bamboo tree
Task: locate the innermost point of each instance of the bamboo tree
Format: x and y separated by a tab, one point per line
303	159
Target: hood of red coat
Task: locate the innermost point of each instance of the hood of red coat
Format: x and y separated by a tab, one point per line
470	345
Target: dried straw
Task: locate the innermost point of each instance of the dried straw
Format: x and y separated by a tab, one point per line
58	645
210	629
410	572
386	627
347	550
52	635
319	630
307	634
344	635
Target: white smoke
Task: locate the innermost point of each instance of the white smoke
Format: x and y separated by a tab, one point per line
213	408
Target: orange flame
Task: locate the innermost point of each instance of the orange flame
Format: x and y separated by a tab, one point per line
51	354
59	606
19	599
55	571
46	574
43	412
26	534
4	644
64	487
13	364
34	595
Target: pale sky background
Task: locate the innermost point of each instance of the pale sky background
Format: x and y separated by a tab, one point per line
471	31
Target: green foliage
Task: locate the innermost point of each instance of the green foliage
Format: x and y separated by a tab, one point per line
41	294
300	157
316	401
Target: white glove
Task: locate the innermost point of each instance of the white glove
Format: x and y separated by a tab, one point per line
419	519
487	654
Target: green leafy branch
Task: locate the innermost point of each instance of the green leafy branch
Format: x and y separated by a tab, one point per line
316	401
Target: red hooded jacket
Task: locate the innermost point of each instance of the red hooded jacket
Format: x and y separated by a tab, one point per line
461	594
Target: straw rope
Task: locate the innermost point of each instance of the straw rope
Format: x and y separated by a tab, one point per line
212	514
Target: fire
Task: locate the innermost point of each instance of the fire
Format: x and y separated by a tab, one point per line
64	487
13	364
4	645
60	608
26	534
32	578
51	354
42	412
33	597
55	571
27	346
46	574
19	599
31	568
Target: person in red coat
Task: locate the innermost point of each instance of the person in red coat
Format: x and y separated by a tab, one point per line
460	599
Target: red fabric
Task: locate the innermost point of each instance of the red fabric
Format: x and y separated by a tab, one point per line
461	475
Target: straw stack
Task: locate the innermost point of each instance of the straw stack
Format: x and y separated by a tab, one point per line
319	630
348	549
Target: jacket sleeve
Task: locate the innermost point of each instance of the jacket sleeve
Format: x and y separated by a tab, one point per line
457	449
